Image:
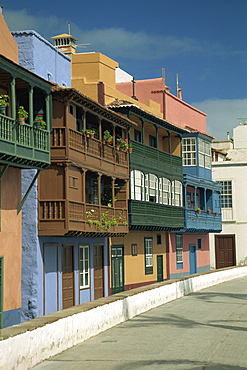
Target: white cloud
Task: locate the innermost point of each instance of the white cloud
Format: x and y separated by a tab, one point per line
223	115
115	42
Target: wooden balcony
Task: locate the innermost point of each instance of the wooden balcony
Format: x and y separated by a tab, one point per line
68	218
154	216
157	160
89	151
23	146
203	221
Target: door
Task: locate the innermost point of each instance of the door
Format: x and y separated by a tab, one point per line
160	268
117	269
193	268
51	282
225	251
98	271
68	276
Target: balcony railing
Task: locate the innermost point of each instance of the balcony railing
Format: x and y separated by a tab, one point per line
204	221
62	217
154	158
23	146
155	216
71	143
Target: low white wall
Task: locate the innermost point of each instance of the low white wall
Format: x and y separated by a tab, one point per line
38	343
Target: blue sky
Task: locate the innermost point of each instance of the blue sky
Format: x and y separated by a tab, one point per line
205	42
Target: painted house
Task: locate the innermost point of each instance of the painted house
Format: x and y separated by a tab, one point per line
155	203
82	200
22	147
189	248
229	169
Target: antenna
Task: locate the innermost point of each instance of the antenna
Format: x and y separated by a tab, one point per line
177	84
164	75
243	120
83	45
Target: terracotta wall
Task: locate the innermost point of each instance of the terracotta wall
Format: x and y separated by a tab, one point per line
11	238
8	46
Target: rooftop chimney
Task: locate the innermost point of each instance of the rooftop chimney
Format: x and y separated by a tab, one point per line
228	135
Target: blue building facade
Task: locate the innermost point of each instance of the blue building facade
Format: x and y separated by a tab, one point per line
41	57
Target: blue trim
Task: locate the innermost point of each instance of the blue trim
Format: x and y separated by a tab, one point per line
11	317
180	265
203	268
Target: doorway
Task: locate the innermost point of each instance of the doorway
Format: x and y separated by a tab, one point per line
225	251
117	268
68	276
193	267
160	268
98	271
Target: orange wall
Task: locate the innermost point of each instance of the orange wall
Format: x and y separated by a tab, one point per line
11	238
8	46
134	267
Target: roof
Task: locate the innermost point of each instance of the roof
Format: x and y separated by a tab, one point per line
64	35
105	112
118	104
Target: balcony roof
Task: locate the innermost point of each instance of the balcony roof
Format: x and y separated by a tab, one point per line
70	93
119	105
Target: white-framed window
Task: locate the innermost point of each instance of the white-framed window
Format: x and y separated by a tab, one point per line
84	266
189	151
226	194
148	250
153	188
179	248
137	185
204	151
177	193
165	190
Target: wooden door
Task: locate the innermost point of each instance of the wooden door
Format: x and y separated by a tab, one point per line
98	271
160	268
117	269
225	251
68	276
193	267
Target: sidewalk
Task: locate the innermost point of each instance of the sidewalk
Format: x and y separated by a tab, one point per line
203	330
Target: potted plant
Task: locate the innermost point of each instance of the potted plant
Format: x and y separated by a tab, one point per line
122	143
108	137
39	123
209	211
130	147
22	114
4	102
198	210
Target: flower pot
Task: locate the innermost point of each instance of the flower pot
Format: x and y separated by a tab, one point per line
3	110
209	211
198	211
130	150
21	121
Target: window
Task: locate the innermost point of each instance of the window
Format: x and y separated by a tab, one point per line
84	266
148	251
177	193
199	243
134	250
158	239
152	141
138	136
165	191
71	109
137	185
179	248
226	194
153	188
73	182
189	152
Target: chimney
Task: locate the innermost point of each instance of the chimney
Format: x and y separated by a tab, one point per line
180	94
1	9
228	135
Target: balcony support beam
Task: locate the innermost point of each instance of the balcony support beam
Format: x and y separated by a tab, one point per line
27	192
3	171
